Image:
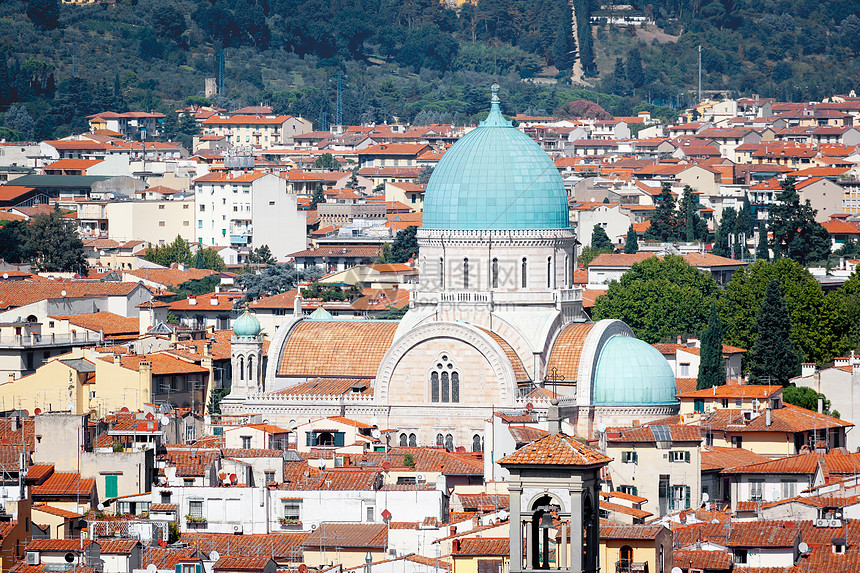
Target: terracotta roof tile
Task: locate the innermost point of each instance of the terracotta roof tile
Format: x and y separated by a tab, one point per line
234	563
118	546
483	547
630	531
702	559
162	363
483	502
762	534
556	449
65	485
348	535
567	350
789	418
59	544
109	323
58	511
631	511
734	391
721	457
328	387
511	354
678	433
19	293
337	348
279	546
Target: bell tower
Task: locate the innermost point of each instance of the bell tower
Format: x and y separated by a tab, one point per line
246	356
554	503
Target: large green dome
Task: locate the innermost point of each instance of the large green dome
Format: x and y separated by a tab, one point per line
495	177
632	372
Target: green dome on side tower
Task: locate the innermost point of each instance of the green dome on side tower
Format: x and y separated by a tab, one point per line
247	326
631	372
496	178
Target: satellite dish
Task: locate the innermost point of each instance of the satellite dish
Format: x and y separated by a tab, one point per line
152	568
101	507
5	275
63	293
376	433
677	570
164	420
214	556
503	515
705	498
803	547
69	557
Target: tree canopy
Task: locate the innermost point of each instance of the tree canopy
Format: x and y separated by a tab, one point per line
276	279
795	232
773	358
712	367
660	299
52	244
599	238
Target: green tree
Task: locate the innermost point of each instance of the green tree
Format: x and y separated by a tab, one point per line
818	328
773	358
318	196
712	367
660	299
635	73
632	244
208	259
13	239
689	210
263	256
53	244
44	13
326	161
405	245
725	234
665	224
165	255
19	119
276	279
795	232
804	397
762	252
599	238
588	254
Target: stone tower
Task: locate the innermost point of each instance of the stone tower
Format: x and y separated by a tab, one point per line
246	356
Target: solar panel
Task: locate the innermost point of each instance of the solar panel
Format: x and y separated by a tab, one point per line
661	433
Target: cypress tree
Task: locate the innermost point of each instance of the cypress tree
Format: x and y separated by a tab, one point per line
599	238
761	251
712	368
632	244
773	358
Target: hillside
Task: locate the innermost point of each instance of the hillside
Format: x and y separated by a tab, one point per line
417	60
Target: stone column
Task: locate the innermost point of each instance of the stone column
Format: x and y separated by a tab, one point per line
562	547
576	529
516	528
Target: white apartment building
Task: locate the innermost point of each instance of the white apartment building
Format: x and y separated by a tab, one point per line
245	210
256	129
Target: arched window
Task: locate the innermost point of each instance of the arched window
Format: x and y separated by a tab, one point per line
413	440
548	272
32	318
523	272
445	381
325	439
567	271
403	439
465	273
250	368
476	443
449	442
441	272
440	440
495	277
241	368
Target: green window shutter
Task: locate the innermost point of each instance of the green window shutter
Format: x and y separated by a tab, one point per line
177	568
309	436
198	568
699	405
687	457
635	490
635	457
338	439
687	501
110	486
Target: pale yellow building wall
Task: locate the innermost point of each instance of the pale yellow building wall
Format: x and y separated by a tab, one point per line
156	222
610	552
469	564
348	558
395	193
55	523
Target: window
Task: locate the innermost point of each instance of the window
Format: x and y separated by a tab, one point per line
789	488
292	510
740	556
161	206
629	457
161	223
440	440
684	370
628	489
165	497
756	489
699	405
725	402
269	476
477	446
449	442
679	497
465	273
195	508
413	440
190	432
241	368
495	270
188	482
370	513
403	440
441	273
163	386
246	442
737	441
523	273
548	272
679	457
739	402
444	382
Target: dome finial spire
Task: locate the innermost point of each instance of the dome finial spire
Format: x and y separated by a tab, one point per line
495	117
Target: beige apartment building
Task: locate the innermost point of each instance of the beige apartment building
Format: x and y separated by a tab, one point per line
262	130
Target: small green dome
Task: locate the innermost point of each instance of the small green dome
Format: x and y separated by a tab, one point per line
247	326
631	372
495	177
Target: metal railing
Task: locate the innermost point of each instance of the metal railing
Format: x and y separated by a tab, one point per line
37	340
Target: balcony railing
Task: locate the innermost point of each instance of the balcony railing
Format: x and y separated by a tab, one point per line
37	340
627	566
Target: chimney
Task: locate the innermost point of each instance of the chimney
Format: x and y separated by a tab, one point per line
192	300
807	369
679	340
297	304
117	359
767	420
553	417
207	349
821	405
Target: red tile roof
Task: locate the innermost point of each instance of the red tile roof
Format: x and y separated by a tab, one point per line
678	433
567	350
118	546
630	531
234	563
759	534
556	449
107	322
280	546
58	511
702	559
349	535
721	457
482	547
62	484
52	545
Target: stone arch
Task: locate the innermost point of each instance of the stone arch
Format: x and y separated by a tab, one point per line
602	331
482	342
